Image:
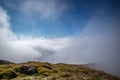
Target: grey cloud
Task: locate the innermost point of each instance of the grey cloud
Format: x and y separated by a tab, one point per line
45	53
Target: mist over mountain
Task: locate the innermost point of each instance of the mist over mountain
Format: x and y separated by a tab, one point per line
57	31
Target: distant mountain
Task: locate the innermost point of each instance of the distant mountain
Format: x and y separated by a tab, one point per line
5	62
46	71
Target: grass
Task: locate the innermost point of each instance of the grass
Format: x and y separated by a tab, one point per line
47	71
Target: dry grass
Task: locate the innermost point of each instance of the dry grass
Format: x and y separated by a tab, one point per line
48	71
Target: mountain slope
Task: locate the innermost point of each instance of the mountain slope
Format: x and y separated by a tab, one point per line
5	62
46	71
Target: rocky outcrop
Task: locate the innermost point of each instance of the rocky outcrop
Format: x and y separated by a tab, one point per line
29	70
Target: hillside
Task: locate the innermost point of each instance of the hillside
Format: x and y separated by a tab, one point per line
5	62
46	71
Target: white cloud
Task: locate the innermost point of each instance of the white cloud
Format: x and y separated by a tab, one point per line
21	48
92	45
44	9
3	19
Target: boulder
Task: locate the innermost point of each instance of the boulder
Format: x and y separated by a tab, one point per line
29	70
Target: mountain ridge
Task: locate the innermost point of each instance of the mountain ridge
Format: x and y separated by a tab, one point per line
47	71
6	62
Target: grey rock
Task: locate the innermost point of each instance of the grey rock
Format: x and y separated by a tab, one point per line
29	70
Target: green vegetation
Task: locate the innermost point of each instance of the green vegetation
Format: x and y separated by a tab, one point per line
46	71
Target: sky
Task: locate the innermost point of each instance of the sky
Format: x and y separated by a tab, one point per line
61	31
